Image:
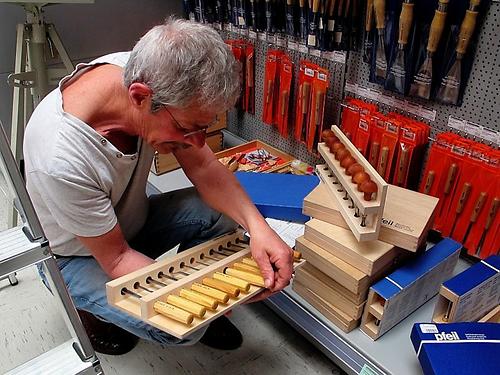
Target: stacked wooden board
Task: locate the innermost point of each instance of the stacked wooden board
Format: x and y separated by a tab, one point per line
339	271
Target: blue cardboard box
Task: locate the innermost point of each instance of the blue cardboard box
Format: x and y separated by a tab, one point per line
277	195
457	348
470	294
396	296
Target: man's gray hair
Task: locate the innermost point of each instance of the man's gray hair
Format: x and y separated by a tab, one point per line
185	63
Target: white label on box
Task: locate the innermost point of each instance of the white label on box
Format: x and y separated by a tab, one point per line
252	34
309	72
280	41
473	129
428	328
427	113
261	36
327	55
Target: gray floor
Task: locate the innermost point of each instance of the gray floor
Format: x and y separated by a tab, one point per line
31	324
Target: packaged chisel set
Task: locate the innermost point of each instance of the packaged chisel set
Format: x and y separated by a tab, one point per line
424	48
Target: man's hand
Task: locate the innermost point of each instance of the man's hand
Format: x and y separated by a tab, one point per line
274	258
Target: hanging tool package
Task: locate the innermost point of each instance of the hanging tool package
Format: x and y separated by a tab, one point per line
423	48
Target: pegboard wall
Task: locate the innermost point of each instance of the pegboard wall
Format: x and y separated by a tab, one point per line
251	127
481	104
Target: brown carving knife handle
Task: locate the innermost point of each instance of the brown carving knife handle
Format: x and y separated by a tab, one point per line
478	206
450	179
492	213
429	181
374	150
382	164
379	6
369	16
403	166
463	198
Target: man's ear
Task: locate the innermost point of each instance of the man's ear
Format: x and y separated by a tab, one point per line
140	94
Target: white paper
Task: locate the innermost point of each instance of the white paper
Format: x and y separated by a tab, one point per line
287	230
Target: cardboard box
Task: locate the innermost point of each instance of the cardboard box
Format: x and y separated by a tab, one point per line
369	257
278	195
163	163
471	294
330	312
332	292
457	348
396	296
406	219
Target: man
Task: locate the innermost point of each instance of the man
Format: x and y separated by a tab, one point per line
88	148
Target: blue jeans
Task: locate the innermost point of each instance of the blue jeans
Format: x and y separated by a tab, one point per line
178	217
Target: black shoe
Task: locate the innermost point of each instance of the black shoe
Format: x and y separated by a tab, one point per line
222	334
106	338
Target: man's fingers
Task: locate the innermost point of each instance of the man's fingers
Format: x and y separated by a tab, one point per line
266	270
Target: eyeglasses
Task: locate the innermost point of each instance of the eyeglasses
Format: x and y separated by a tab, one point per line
187	132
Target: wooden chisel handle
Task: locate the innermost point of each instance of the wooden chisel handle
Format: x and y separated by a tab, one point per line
463	198
173	312
382	164
284	98
379	6
185	304
369	16
492	213
243	285
306	91
481	199
405	22
374	150
450	179
466	30
429	182
403	166
247	276
437	26
219	295
246	268
232	290
199	298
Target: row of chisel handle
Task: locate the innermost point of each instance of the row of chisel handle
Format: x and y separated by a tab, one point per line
195	300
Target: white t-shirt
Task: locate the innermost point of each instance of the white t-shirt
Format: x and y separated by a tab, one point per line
79	182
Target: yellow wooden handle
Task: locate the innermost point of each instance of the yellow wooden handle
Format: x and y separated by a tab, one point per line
173	312
246	268
243	285
185	304
452	174
474	3
302	3
369	15
250	262
247	276
284	97
297	255
199	298
219	295
436	30
379	6
403	165
405	22
315	6
232	290
466	31
479	206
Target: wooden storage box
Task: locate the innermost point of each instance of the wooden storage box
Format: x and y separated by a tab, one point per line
406	220
282	164
163	163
